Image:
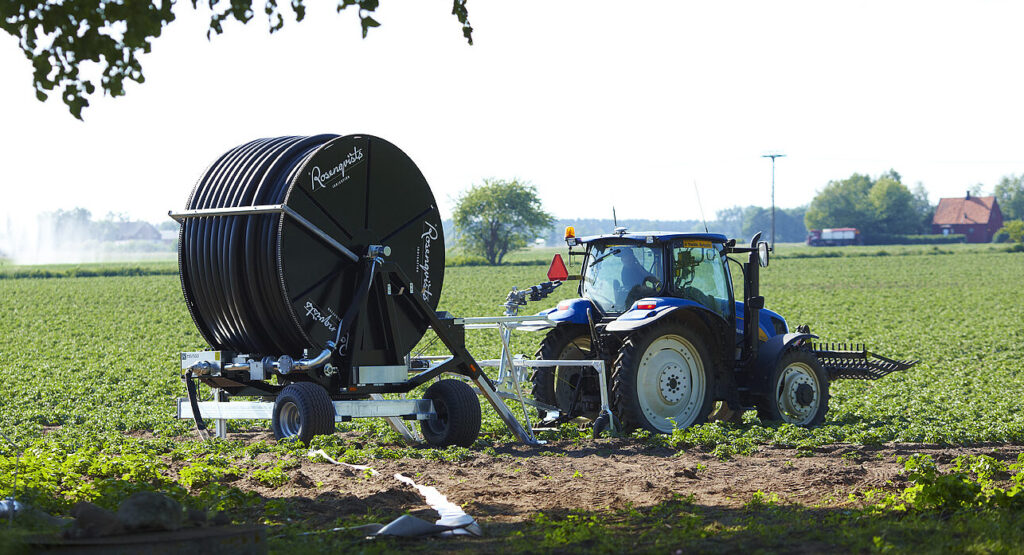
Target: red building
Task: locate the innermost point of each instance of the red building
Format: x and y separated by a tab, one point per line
979	218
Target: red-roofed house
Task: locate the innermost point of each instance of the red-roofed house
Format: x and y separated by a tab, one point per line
979	218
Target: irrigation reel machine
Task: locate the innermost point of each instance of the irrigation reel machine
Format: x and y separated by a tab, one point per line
312	266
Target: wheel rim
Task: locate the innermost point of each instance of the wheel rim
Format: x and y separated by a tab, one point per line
671	383
438	426
567	378
289	420
798	394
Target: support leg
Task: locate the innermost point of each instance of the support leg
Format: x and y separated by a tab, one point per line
606	408
411	436
506	360
220	425
503	411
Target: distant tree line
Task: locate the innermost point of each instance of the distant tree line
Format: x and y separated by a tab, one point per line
884	207
498	217
744	222
878	207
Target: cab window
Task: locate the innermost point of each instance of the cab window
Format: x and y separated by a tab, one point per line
617	275
699	274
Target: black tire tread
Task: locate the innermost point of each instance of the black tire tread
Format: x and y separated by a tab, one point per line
464	415
315	404
622	404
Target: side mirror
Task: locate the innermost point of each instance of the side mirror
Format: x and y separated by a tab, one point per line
762	254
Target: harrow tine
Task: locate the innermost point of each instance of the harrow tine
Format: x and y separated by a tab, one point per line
854	361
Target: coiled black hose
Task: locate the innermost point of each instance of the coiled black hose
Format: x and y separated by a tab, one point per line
263	284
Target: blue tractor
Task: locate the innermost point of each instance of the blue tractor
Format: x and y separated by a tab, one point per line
660	310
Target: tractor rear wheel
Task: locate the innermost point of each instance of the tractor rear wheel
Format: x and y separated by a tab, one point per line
798	391
663	379
559	386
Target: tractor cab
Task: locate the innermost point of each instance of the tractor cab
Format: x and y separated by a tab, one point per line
628	280
619	272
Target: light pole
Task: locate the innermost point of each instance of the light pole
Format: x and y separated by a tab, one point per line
773	157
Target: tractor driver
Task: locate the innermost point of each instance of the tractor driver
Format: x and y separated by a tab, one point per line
687	268
637	280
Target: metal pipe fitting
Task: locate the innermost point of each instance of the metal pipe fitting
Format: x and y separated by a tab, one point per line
319	360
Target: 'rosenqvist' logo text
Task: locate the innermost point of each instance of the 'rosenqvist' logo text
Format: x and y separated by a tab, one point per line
428	236
336	175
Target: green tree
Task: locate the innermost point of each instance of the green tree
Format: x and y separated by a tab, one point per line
498	217
923	207
793	229
842	204
59	36
892	207
756	219
729	221
882	206
1009	192
789	224
1013	230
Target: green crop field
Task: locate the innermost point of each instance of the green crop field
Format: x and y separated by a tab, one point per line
89	367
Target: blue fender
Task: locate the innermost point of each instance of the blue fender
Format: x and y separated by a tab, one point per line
572	311
770	352
635	318
540	324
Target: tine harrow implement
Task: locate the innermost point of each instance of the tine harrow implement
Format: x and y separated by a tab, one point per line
855	362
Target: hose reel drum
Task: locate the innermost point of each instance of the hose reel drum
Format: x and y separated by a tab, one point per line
273	284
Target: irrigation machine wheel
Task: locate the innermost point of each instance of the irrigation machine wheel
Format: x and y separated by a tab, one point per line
798	391
663	379
558	385
458	414
302	410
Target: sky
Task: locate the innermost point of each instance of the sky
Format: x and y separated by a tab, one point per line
597	104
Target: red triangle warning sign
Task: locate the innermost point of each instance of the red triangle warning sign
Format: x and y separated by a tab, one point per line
557	271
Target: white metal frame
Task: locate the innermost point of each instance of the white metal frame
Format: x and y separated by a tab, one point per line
513	370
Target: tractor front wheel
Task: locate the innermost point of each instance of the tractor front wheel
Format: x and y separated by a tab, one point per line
798	391
663	379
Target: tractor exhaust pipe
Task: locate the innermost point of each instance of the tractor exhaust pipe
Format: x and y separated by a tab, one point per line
753	302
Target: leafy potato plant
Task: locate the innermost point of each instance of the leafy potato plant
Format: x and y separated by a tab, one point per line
90	372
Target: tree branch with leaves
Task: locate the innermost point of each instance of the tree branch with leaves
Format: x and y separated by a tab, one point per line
112	34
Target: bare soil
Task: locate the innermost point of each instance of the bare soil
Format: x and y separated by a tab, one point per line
605	474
